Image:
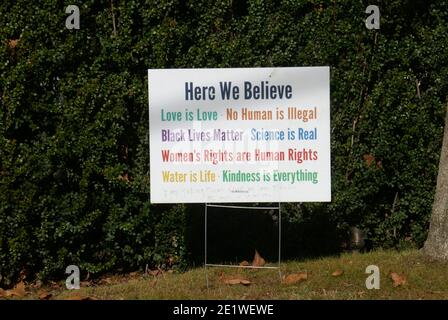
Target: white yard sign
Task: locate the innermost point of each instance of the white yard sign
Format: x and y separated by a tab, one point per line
240	135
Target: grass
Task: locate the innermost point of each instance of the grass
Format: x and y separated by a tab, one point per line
425	279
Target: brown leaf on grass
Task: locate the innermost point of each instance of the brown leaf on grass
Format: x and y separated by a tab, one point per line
245	282
44	295
18	291
258	260
338	273
397	279
233	281
295	278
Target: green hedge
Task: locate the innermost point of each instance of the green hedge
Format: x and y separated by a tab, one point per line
74	185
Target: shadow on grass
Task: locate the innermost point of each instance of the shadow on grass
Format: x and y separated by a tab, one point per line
234	235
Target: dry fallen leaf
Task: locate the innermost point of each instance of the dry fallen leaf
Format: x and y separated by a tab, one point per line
44	295
245	282
234	281
397	279
18	291
258	260
338	273
295	278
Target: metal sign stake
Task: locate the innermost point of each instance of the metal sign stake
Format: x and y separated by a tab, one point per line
206	264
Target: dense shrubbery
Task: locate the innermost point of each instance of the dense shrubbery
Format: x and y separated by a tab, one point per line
74	124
